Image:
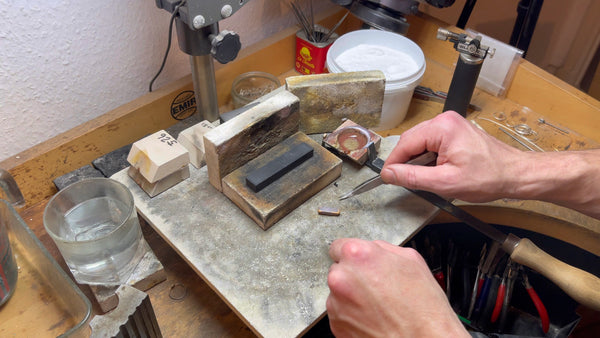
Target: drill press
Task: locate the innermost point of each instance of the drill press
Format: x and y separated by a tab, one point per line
197	24
388	15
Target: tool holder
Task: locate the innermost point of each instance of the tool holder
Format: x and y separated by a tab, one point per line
519	314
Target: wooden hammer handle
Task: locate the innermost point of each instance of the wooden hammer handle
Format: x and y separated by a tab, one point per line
582	286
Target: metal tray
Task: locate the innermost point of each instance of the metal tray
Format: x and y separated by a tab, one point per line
46	302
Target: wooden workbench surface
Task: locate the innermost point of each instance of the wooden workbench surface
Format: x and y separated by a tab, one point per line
201	312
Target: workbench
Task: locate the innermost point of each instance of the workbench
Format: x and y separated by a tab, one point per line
201	312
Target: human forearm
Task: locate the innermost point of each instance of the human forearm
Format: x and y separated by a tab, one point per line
570	179
475	167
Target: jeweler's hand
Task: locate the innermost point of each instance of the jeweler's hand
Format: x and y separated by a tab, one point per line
380	290
471	165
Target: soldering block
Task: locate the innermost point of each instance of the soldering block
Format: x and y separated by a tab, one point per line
327	99
157	156
352	140
192	139
153	189
239	140
277	199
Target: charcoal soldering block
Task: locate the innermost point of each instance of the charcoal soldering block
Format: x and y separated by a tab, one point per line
244	138
279	166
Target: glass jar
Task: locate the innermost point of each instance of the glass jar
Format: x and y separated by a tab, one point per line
248	87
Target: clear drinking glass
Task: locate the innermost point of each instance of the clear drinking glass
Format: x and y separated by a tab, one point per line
95	226
8	267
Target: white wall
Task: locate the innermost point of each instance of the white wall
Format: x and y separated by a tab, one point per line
63	63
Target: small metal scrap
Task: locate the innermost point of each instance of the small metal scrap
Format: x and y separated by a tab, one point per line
329	211
178	291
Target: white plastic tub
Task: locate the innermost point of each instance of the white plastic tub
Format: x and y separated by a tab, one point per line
398	90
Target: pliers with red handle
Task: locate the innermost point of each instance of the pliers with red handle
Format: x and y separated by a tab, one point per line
436	264
541	309
502	301
503	294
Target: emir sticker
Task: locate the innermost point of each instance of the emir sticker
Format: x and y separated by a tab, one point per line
184	105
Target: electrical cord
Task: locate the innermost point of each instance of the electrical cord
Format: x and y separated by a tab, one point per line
175	12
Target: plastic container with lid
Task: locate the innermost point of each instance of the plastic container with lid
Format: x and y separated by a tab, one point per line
403	67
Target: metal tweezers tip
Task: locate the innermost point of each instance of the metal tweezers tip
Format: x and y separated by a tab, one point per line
346	195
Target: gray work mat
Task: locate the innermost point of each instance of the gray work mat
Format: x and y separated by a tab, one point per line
276	280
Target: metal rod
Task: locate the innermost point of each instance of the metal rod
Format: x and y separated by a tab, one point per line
528	12
516	139
465	14
462	215
337	25
543	121
205	87
312	20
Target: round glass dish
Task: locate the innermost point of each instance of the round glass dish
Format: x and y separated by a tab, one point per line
248	87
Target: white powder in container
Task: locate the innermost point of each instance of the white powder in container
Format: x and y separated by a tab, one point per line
394	64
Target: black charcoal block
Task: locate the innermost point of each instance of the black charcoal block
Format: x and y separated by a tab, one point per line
113	162
279	166
76	175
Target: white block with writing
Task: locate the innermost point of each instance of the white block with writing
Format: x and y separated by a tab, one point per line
157	156
192	139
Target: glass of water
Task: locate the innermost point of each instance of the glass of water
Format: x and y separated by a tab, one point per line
95	226
8	266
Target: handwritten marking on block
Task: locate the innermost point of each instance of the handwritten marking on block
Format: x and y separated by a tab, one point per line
192	139
157	156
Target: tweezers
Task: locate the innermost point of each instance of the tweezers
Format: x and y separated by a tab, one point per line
376	181
367	185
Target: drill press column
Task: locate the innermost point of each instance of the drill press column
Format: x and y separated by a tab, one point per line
197	23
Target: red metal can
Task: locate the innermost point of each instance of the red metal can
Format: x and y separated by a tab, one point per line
311	56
